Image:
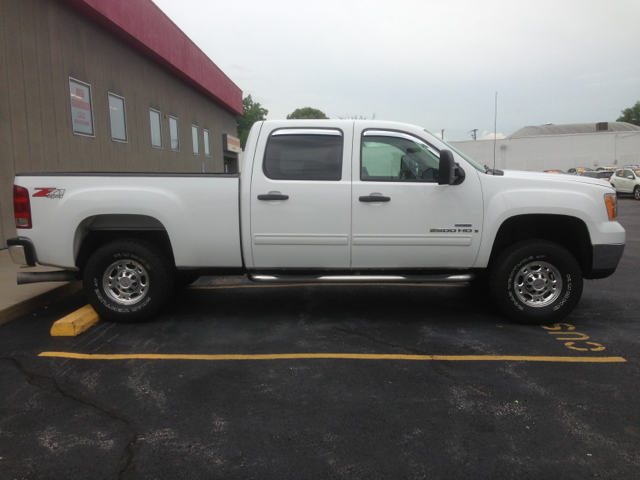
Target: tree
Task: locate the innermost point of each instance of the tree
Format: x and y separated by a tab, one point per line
307	113
631	115
252	113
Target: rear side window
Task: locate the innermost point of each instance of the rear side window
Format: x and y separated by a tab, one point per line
304	155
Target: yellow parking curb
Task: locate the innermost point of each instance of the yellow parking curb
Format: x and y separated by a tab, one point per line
75	323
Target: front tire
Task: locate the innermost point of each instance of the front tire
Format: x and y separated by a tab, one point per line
636	192
536	282
127	281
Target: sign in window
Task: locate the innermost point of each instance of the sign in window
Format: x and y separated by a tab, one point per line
118	118
156	128
230	144
81	113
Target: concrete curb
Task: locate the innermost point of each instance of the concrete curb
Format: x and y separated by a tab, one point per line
39	301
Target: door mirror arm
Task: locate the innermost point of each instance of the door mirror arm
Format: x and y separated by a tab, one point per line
450	172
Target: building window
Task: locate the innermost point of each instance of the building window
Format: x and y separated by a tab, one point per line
304	154
173	133
118	118
207	152
81	108
194	135
156	128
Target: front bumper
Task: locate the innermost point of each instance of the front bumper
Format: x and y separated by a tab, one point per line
605	260
22	251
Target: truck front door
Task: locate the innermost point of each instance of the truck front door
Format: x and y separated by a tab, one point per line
300	198
402	218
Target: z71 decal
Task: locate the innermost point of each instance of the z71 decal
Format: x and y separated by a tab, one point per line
49	192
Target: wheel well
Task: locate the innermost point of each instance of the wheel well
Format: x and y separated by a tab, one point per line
94	232
570	232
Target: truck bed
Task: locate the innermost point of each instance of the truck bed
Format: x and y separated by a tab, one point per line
199	212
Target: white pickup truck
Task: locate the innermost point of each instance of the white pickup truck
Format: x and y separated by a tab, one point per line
323	201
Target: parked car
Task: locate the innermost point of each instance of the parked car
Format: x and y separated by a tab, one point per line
323	201
626	180
554	171
577	170
601	174
605	169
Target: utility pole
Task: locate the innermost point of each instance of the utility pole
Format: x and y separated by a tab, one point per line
473	133
442	134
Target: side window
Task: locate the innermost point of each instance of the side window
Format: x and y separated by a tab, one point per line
394	157
173	134
304	154
205	134
118	118
194	136
156	128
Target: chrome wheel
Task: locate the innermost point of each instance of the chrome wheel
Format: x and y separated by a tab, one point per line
537	284
636	193
126	282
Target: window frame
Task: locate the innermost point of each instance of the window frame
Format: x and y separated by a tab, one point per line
319	131
124	114
177	133
206	144
93	124
160	124
197	139
377	132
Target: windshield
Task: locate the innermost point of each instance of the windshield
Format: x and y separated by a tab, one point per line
475	164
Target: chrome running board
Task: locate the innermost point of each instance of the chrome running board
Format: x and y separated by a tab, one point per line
446	278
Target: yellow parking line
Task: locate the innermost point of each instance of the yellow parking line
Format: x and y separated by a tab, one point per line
345	356
334	285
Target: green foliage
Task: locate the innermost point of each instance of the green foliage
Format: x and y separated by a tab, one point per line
307	113
253	112
631	115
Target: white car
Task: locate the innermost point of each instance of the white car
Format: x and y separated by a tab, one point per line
626	180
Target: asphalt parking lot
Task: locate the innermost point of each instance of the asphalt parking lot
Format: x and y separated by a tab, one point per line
377	381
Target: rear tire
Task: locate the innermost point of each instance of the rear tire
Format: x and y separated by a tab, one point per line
127	281
636	192
536	282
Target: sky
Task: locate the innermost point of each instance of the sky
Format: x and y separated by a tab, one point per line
437	64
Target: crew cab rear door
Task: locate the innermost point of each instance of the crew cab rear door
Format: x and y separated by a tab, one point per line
402	218
301	197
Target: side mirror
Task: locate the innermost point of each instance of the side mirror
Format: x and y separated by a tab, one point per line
450	172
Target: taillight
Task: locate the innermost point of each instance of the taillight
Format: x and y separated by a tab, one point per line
612	205
21	207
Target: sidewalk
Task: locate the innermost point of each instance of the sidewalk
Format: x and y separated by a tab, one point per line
17	300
